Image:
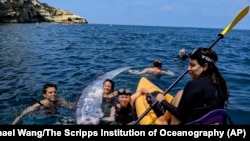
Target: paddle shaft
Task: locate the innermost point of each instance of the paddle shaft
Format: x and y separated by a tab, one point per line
220	36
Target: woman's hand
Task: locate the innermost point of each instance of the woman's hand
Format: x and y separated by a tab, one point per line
160	97
144	91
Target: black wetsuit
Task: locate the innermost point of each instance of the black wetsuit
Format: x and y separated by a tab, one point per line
124	116
200	96
178	57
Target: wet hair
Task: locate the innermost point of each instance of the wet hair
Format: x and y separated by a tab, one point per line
112	83
157	63
123	91
47	85
182	50
204	55
209	56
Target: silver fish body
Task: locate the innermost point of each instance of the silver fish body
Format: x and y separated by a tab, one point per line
88	109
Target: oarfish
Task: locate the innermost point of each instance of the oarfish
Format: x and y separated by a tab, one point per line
88	109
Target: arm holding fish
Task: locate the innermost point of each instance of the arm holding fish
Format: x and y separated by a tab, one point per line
146	70
62	102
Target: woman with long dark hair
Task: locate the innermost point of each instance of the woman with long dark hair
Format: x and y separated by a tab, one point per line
206	91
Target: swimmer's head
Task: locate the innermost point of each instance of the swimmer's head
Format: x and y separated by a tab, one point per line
157	63
182	52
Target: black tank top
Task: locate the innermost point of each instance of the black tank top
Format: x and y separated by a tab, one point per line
125	115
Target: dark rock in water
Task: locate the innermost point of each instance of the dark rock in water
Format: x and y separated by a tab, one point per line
32	11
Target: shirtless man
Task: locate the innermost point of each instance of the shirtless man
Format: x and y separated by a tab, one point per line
155	70
50	102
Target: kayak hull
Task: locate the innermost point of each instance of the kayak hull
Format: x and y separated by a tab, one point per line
142	105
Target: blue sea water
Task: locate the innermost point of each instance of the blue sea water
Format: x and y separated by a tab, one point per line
74	55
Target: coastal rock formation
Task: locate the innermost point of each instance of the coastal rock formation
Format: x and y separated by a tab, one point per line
31	11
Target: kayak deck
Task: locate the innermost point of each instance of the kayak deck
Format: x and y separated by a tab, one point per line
142	105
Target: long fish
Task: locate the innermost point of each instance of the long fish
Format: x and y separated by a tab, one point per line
88	109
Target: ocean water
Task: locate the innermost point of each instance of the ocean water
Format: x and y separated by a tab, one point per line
74	55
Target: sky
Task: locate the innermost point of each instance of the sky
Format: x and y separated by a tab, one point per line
173	13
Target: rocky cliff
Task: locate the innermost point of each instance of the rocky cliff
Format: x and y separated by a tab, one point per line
31	11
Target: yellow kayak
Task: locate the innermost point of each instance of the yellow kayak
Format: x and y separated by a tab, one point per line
142	105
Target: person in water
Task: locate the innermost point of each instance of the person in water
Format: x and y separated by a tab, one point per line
206	91
109	98
155	70
50	102
123	112
182	55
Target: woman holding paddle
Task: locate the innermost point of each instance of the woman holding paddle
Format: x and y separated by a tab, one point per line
206	91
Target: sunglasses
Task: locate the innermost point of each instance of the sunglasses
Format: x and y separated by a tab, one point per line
124	92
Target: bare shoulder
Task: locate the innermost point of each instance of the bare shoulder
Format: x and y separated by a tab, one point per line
147	69
62	102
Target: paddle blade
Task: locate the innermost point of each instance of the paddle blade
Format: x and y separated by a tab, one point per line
235	21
